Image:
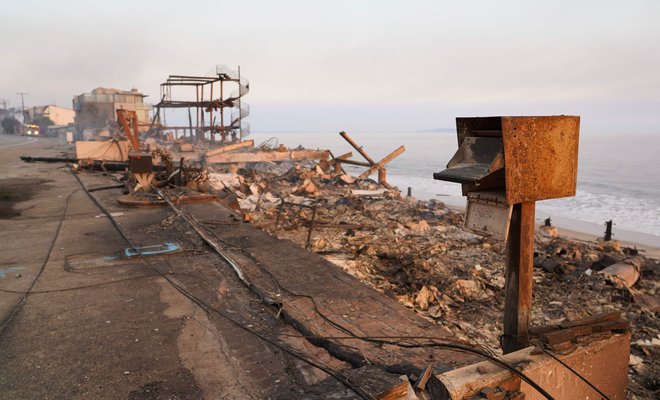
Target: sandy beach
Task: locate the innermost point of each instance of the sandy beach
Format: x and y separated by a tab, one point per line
648	251
648	245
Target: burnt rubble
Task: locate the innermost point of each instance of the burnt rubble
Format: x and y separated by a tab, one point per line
416	252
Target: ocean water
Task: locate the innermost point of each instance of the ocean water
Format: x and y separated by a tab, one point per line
618	175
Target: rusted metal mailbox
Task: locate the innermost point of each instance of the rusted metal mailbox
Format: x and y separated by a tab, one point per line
506	164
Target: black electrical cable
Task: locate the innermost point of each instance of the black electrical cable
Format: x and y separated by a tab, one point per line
352	336
337	375
328	319
4	323
93	285
328	370
457	347
80	287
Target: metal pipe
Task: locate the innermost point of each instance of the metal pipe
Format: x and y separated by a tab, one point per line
240	114
311	228
356	147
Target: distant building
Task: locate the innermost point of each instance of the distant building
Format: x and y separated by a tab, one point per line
59	115
98	109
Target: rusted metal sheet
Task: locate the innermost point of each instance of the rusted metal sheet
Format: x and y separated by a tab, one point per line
476	158
488	213
481	126
540	155
604	363
140	163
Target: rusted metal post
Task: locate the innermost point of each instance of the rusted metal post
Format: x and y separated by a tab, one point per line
311	228
382	176
128	121
196	113
180	174
381	164
211	120
279	214
190	125
608	230
518	286
201	107
356	147
222	115
240	112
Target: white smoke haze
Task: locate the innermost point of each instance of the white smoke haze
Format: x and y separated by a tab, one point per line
369	65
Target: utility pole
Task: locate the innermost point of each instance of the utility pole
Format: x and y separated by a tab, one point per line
22	102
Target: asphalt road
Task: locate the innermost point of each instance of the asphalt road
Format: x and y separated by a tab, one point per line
102	326
79	319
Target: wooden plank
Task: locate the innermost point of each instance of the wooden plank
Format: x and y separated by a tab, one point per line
271	156
402	391
568	334
565	335
382	162
594	319
518	286
420	384
230	148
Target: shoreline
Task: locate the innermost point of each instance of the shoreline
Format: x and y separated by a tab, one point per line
648	251
570	229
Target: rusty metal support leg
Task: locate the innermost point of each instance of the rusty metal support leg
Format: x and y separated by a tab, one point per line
179	180
311	228
357	147
382	176
518	286
279	214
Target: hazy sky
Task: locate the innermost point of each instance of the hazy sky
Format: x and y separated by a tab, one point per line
352	65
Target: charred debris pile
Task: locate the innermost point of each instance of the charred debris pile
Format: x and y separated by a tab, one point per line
412	250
